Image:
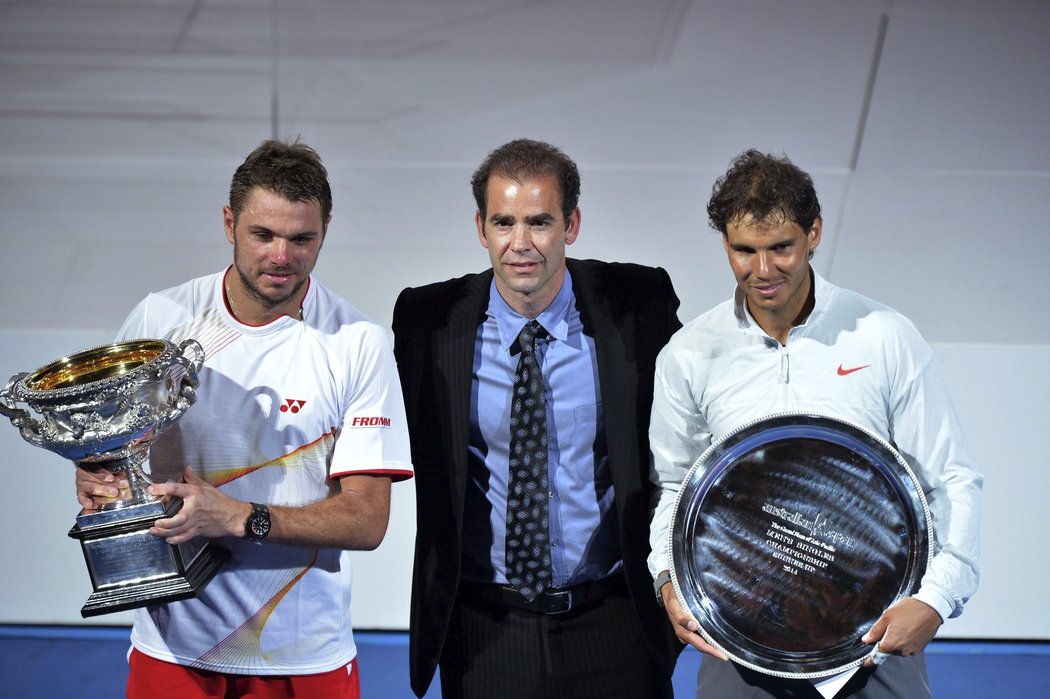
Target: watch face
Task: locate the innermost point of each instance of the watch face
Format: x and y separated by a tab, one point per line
259	524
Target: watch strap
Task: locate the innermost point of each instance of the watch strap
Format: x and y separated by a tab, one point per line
661	580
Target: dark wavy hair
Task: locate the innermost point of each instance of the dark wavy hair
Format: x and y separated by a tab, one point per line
525	159
767	187
292	170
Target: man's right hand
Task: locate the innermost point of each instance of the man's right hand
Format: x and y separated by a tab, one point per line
99	487
685	626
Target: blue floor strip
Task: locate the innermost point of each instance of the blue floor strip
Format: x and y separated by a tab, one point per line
400	638
91	661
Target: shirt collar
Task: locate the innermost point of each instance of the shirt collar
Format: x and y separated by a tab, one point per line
554	318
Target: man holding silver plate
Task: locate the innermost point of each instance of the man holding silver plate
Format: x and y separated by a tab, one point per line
286	458
830	525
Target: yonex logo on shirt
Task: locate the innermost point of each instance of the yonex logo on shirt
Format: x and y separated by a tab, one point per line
292	405
370	422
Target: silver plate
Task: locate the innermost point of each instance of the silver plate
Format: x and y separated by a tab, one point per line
791	535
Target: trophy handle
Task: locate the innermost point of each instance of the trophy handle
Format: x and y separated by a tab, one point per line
189	382
198	355
26	424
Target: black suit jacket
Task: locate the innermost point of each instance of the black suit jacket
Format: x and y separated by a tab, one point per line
631	312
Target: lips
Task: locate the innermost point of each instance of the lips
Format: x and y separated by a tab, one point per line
522	267
767	291
278	278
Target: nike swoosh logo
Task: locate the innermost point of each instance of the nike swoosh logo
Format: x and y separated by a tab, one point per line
846	372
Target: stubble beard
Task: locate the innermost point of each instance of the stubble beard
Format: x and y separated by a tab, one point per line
268	302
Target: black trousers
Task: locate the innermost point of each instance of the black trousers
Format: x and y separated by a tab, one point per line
600	651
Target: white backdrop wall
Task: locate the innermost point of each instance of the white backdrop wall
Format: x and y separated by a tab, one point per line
922	121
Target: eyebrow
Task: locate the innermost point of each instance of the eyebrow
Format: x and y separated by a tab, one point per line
259	228
533	220
770	246
539	218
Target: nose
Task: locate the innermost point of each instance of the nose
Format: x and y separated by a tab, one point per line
279	251
763	263
520	240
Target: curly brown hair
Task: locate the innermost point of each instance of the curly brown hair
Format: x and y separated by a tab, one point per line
767	187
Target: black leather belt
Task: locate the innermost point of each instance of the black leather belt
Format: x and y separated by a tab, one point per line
551	601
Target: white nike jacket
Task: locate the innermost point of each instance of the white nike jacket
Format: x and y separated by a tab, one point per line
852	358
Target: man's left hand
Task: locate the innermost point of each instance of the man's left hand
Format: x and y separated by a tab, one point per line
904	629
206	511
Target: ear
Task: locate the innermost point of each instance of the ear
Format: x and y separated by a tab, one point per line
813	236
725	242
480	224
573	230
228	223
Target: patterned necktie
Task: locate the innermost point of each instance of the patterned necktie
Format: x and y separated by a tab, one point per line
528	550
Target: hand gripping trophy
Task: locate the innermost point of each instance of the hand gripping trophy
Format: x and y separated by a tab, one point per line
103	408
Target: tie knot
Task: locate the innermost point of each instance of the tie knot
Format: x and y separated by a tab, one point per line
527	336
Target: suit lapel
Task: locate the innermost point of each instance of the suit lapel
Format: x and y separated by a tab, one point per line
454	359
614	370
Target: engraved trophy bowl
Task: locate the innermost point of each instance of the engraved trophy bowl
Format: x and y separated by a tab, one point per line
102	408
791	535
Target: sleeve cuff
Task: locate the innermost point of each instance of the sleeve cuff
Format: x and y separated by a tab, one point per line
941	604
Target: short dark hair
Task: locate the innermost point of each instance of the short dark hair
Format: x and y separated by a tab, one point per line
524	159
290	169
767	187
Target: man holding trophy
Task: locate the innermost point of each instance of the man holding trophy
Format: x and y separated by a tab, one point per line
286	459
789	340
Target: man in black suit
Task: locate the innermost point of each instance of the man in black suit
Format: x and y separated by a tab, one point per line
583	620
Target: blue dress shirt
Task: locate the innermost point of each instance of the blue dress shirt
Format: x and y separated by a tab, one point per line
583	522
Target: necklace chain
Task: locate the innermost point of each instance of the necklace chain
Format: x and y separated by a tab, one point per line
233	309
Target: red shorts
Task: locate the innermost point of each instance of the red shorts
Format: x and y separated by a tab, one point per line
155	679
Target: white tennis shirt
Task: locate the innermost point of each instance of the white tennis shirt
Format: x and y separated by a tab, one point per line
281	409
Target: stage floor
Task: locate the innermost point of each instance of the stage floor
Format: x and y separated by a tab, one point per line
49	662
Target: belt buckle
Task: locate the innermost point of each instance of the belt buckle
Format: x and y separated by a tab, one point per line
559	595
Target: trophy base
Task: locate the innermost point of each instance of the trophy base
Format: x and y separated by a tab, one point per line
131	568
